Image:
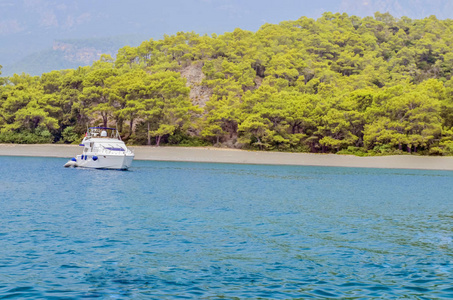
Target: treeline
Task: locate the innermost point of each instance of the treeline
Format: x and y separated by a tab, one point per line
337	84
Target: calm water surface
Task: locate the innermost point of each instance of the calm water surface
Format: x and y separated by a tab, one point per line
218	231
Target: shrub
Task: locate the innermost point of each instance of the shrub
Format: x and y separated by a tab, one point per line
39	136
354	151
69	135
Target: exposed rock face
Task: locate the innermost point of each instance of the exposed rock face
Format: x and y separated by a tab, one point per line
194	74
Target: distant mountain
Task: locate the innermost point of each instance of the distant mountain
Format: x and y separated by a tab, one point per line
70	54
30	29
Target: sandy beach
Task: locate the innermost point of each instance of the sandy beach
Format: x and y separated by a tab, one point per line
218	155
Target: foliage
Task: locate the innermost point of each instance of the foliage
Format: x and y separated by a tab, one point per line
39	136
69	135
339	84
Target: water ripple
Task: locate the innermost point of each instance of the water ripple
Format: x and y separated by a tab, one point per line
210	231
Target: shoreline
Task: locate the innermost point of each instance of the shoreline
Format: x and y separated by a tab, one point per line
235	156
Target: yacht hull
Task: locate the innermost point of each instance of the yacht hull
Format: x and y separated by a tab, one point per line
107	161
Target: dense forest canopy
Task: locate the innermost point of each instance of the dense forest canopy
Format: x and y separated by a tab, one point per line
337	84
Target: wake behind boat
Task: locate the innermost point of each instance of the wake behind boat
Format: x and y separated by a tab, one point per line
103	149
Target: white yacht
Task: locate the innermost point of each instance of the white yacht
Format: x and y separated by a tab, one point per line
103	149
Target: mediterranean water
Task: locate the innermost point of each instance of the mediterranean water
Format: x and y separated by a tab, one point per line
168	230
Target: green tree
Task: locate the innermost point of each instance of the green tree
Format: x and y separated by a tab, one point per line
96	95
169	108
221	118
22	106
405	116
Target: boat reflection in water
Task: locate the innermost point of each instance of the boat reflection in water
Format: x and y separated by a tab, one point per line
103	149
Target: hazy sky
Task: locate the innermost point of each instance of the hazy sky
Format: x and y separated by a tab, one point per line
83	18
117	17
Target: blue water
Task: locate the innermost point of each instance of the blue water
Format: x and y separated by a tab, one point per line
165	230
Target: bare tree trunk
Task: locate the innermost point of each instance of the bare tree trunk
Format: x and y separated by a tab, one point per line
149	137
119	124
259	143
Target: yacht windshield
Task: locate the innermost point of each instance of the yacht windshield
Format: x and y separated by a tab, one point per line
114	148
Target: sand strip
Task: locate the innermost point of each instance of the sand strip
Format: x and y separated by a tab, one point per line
216	155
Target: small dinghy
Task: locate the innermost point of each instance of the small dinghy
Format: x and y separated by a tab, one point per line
71	163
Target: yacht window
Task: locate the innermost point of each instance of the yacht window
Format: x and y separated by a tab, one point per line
114	147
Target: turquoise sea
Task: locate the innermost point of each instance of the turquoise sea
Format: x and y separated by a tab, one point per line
166	230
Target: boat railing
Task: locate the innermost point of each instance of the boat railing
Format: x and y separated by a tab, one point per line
103	132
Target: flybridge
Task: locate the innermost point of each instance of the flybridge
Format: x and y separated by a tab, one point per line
102	132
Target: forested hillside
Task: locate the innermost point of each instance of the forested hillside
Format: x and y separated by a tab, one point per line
337	84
